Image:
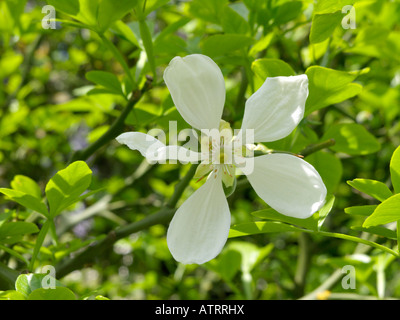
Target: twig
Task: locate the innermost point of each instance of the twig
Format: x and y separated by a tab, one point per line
312	148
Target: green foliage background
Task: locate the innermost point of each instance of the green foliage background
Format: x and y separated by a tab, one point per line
66	93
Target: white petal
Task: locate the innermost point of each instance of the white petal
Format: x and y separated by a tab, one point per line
276	108
174	152
288	184
156	151
142	142
197	88
200	227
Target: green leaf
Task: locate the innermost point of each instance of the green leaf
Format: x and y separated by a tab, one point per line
109	12
388	211
13	252
287	11
398	235
261	44
329	6
327	86
250	254
82	10
4	216
395	170
58	293
323	25
329	167
233	22
26	200
170	29
220	44
271	214
372	41
312	223
227	264
361	210
70	7
325	210
99	15
123	31
271	68
9	63
26	185
27	283
373	188
351	138
105	79
152	5
231	189
12	229
67	185
207	10
11	295
379	231
249	228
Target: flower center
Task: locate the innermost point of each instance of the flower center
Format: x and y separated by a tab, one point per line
217	153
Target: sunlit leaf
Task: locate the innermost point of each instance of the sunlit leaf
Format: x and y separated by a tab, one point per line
221	44
26	185
379	231
25	200
106	80
395	170
11	295
360	210
323	25
67	185
15	228
249	228
27	283
271	214
351	138
271	68
387	211
329	86
58	293
373	188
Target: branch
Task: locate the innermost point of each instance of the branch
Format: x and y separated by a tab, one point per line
312	148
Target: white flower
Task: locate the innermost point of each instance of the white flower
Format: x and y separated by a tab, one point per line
290	185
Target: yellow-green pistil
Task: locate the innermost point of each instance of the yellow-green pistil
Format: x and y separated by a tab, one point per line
218	153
